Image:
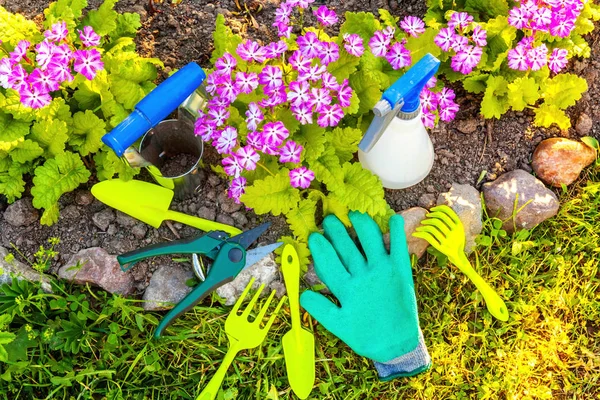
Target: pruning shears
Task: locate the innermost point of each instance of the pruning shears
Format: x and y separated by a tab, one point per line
229	255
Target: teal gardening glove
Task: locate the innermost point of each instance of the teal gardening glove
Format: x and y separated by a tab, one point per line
378	315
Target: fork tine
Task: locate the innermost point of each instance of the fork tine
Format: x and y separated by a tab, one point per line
274	315
263	310
433	231
440	215
250	305
429	238
448	211
438	224
238	303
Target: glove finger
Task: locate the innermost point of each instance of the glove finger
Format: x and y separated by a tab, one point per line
323	310
328	266
345	247
369	235
399	247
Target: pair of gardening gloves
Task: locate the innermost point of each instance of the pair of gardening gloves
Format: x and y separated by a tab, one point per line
378	314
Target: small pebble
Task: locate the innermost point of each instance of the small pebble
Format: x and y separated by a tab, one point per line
239	218
225	219
139	231
207	213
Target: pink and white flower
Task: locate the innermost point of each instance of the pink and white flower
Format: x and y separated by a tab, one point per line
88	63
88	37
247	157
254	139
301	177
330	53
43	82
5	71
299	92
479	36
345	94
62	54
275	49
219	115
330	115
445	38
225	64
538	57
57	32
251	51
237	188
45	51
398	56
19	51
274	133
325	16
330	82
246	82
517	58
428	119
460	20
33	98
319	98
303	112
18	78
310	46
254	116
558	59
353	44
379	44
299	62
413	26
226	140
271	76
290	152
231	166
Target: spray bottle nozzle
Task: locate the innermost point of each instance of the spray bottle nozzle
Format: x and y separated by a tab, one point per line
401	97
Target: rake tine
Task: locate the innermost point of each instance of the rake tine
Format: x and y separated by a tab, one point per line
272	319
238	303
433	231
265	307
250	306
440	215
449	212
438	224
429	238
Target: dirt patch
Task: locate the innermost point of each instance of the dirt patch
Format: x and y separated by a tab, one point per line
178	165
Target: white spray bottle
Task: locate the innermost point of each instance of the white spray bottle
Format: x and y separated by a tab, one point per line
397	147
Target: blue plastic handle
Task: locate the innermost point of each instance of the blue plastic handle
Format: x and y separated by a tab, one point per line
409	86
155	107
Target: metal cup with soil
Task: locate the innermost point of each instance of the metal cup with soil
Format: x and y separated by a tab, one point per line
174	152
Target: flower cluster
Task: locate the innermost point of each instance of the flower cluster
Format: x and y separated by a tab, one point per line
36	75
440	103
383	43
465	38
527	57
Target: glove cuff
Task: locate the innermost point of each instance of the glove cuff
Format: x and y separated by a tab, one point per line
409	364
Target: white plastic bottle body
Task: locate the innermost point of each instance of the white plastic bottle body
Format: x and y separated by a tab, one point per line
403	156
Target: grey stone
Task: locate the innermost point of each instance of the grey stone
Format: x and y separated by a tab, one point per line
228	205
412	219
207	213
125	220
427	200
103	218
467	125
213	180
584	124
167	287
225	219
239	218
97	267
500	197
265	271
139	231
84	198
21	271
465	200
112	230
70	212
21	213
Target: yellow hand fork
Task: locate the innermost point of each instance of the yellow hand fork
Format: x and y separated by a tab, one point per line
444	231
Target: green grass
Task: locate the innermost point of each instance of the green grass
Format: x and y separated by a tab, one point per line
550	347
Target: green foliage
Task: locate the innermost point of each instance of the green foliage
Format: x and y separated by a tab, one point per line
58	143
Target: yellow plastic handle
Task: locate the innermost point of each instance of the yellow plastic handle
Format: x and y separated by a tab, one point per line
202	224
290	267
211	390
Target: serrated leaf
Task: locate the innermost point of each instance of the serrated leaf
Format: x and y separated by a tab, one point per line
91	94
302	219
387	18
50	215
362	191
500	37
333	205
362	23
564	90
12	184
225	41
126	92
284	115
3	354
50	135
344	66
345	142
57	109
475	83
88	130
15	27
301	249
486	8
108	164
423	44
25	151
12	105
312	138
328	169
368	93
127	26
522	92
104	19
495	101
383	219
12	131
55	177
274	194
547	114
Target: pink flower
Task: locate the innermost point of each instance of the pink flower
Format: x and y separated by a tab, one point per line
541	18
227	91
325	16
57	32
62	54
231	166
330	53
299	62
271	76
237	188
518	18
299	92
269	149
246	82
301	3
465	60
43	82
398	56
428	119
429	100
538	57
431	82
389	32
45	51
354	44
446	97
561	26
445	38
89	37
247	157
479	36
88	63
319	98
274	133
413	26
254	139
448	112
517	58
283	13
226	141
310	46
19	51
59	71
205	128
313	74
275	96
5	71
283	30
330	115
290	152
301	177
225	64
18	78
33	98
345	94
558	60
330	82
251	51
460	20
254	116
275	49
379	44
303	112
459	43
219	115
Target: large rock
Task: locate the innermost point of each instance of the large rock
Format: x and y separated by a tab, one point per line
21	271
465	200
501	195
412	219
559	161
167	287
21	213
96	266
265	271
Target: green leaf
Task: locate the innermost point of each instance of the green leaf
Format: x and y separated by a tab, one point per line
333	205
88	130
387	18
500	37
344	66
12	105
57	109
362	191
368	93
300	247
274	194
50	135
126	92
224	41
420	46
50	215
65	10
486	8
15	27
328	169
345	142
564	90
91	94
26	151
3	354
591	141
495	101
108	164
302	219
127	25
55	177
475	83
522	92
104	19
284	115
548	114
12	131
12	184
362	23
312	138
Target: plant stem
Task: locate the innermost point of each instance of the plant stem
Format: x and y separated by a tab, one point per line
265	168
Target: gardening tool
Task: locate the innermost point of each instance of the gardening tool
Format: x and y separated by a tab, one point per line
229	255
378	315
150	204
242	335
445	232
298	344
396	146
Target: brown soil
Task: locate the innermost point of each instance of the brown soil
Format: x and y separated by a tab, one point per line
178	165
